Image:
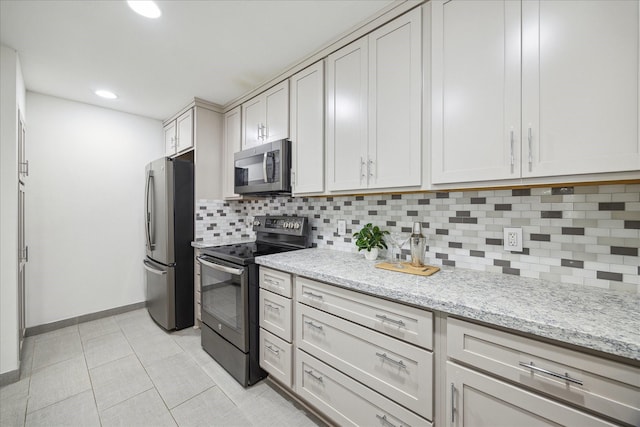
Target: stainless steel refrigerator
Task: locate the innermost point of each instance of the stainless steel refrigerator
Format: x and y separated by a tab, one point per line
169	222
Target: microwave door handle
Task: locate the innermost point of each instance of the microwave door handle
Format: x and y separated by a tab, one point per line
236	271
264	167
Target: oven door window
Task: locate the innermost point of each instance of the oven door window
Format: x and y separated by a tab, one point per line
224	298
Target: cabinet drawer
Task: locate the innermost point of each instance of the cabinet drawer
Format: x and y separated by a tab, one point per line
345	401
601	385
275	314
276	281
400	321
478	399
392	367
276	357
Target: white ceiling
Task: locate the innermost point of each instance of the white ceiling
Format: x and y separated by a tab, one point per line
212	49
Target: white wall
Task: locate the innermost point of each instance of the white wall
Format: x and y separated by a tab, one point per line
11	97
85	226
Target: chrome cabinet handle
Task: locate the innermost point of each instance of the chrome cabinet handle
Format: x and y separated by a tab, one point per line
313	325
273	350
272	282
511	144
453	408
315	377
272	307
236	271
362	174
384	318
385	421
565	377
530	138
398	363
370	168
25	170
312	295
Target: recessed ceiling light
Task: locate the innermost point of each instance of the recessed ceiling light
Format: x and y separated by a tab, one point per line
146	8
106	94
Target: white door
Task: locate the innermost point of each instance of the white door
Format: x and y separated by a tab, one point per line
23	258
184	134
276	105
307	130
232	144
395	113
253	122
170	139
580	87
347	74
475	399
476	90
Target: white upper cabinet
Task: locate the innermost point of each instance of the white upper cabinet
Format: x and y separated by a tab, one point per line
178	134
533	89
265	118
580	87
374	108
232	140
307	130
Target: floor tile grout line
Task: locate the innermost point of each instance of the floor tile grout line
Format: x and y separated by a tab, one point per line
93	392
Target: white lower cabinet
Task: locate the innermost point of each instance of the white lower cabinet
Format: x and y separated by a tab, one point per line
480	400
276	357
346	401
396	369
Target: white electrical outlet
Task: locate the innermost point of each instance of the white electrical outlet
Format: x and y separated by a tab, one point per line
513	239
342	227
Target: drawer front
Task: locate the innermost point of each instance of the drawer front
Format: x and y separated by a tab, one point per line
276	281
478	399
275	314
608	387
276	357
345	401
398	370
397	320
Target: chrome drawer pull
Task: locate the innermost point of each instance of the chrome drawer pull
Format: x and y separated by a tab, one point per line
385	421
315	377
399	363
453	408
565	377
272	282
312	295
273	350
313	325
384	318
272	307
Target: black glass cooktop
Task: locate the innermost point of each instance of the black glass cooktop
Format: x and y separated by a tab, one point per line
244	253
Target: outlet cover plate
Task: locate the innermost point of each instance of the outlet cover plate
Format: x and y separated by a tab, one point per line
342	227
513	239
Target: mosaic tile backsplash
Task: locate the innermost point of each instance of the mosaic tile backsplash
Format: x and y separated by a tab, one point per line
585	235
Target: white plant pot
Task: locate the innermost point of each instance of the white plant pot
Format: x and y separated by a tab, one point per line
372	254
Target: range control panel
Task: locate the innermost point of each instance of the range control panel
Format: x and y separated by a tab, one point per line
281	224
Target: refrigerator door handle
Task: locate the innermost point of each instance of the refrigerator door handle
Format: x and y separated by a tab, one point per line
150	220
236	271
150	269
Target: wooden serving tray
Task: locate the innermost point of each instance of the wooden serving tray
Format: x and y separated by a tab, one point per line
425	270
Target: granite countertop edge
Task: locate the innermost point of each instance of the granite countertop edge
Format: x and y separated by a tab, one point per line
592	327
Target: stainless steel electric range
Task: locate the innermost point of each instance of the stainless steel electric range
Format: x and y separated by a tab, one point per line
229	293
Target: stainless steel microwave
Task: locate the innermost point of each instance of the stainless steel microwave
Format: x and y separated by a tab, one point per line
264	169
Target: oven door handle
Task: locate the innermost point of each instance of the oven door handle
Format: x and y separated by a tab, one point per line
237	271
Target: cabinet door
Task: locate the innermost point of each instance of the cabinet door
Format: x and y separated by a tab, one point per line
170	139
395	113
580	87
184	133
253	122
476	399
307	130
476	90
347	74
276	111
232	144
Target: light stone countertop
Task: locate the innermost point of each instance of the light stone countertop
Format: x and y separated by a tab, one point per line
595	318
226	240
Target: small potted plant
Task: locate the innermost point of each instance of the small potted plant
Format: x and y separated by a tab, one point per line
370	238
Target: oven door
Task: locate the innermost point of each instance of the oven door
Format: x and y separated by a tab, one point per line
224	299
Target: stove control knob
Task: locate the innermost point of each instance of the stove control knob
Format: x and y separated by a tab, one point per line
287	225
256	223
296	225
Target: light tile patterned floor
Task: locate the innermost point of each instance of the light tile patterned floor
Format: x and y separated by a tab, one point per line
126	371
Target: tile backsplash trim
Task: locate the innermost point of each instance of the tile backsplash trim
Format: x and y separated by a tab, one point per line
585	235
